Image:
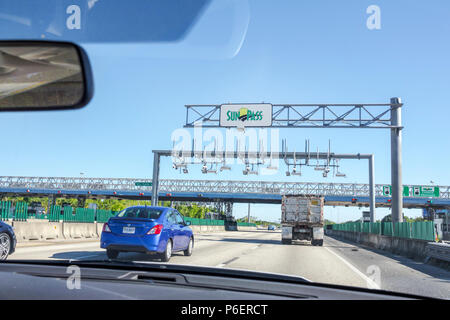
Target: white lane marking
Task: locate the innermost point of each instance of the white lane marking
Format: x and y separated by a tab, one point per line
126	275
221	265
370	283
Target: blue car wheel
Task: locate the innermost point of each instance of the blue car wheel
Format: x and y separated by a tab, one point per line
188	251
165	256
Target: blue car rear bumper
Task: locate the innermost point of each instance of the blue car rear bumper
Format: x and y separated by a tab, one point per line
145	243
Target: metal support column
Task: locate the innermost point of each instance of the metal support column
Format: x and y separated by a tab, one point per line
372	188
155	178
51	202
396	160
248	214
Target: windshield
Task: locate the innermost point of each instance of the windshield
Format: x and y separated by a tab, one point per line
138	212
307	138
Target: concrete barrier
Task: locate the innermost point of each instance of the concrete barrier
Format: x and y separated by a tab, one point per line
411	248
38	230
246	228
206	229
99	229
77	230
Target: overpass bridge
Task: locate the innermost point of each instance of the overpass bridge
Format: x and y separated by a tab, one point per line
336	194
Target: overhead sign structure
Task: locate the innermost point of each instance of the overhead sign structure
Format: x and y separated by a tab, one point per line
415	191
246	115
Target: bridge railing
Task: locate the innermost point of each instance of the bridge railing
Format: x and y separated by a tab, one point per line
180	185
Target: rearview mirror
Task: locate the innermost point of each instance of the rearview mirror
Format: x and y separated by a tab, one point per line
43	75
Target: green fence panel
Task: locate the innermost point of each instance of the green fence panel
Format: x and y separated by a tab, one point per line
375	228
103	215
366	227
90	215
68	214
187	219
423	230
204	222
397	230
5	207
21	211
54	214
387	229
79	214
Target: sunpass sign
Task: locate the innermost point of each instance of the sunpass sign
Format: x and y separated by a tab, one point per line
246	115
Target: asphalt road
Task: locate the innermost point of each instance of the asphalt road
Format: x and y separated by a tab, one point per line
336	262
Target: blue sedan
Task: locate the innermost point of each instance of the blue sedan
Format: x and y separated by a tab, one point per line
7	240
147	229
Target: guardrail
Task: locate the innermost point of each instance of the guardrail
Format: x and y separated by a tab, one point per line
440	251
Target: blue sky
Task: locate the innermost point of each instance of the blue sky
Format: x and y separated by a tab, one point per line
293	52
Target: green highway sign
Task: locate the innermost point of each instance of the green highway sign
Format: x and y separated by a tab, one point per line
143	184
415	191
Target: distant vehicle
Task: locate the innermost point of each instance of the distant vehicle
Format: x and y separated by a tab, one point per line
7	241
155	230
302	219
36	209
271	227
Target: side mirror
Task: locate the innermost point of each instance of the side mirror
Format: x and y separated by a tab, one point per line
188	223
43	75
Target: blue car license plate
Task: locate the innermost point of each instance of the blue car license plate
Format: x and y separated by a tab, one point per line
129	230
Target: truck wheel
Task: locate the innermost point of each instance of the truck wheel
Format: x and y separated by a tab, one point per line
313	243
286	241
320	242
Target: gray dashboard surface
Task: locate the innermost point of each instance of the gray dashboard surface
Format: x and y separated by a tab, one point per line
19	281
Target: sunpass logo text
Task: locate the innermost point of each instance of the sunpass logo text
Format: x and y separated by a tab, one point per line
244	114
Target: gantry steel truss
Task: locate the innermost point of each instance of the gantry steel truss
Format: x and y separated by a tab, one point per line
180	185
306	116
384	116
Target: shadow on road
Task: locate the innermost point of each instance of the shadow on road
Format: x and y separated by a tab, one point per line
96	255
79	254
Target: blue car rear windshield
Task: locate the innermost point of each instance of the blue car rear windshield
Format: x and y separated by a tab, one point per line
138	212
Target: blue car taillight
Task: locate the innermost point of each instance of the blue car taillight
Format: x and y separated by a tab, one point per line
106	228
156	229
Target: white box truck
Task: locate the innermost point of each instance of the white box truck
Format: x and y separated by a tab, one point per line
302	219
